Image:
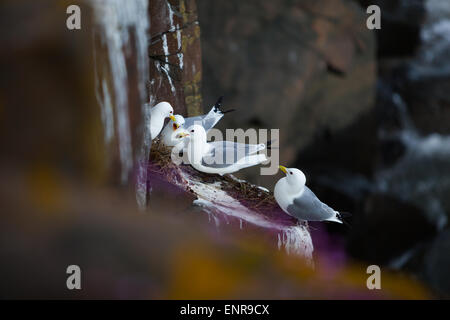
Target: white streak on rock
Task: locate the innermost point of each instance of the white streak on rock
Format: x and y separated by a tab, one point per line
296	239
179	41
116	20
166	67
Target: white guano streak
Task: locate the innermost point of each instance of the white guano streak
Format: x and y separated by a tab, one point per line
166	67
115	20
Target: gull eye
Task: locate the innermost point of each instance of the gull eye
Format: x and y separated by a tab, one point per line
171	111
192	130
291	172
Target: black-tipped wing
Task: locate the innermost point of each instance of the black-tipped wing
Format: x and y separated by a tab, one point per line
208	120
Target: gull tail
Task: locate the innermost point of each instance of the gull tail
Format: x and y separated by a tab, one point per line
269	144
339	218
218	106
226	111
344	214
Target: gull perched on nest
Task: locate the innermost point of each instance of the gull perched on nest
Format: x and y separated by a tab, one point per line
171	132
298	201
158	114
220	157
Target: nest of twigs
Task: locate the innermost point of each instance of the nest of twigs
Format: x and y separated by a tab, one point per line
160	156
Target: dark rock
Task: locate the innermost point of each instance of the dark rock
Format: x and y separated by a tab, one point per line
399	20
424	95
437	264
391	151
353	149
379	233
428	101
386	228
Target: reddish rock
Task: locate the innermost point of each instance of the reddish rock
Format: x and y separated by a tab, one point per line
174	50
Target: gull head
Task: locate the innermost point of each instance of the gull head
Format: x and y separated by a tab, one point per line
196	141
294	177
164	109
183	135
197	133
178	122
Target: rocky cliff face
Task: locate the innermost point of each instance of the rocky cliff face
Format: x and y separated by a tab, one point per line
175	55
306	68
68	189
367	123
78	108
145	52
418	87
171	66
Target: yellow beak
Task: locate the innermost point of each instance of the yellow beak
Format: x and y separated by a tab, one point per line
172	118
183	134
283	169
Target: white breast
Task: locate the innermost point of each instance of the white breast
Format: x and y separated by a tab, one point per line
167	134
281	194
284	194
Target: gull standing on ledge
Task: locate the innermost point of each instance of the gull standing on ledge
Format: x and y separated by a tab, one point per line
207	121
158	113
298	201
220	157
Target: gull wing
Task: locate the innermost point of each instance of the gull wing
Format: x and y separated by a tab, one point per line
207	121
223	154
308	207
240	148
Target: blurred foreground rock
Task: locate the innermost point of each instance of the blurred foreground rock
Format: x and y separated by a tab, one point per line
51	221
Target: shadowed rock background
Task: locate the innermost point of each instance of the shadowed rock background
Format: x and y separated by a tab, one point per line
363	113
357	110
314	61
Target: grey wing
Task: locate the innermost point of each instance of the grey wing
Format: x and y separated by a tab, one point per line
192	120
224	154
217	157
211	118
309	207
208	120
240	149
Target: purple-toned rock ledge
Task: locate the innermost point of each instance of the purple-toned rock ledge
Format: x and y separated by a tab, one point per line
230	201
